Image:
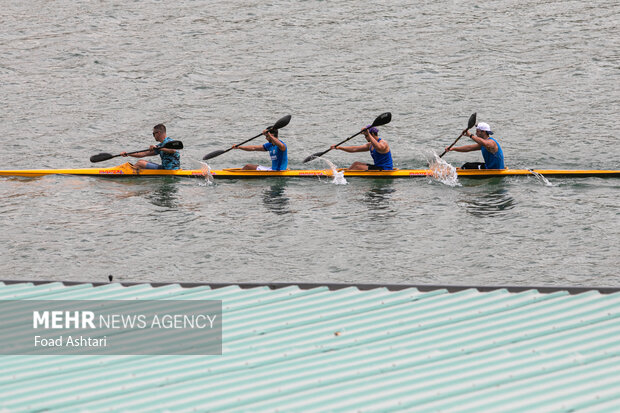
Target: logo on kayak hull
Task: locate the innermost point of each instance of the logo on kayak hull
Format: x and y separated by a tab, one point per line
312	174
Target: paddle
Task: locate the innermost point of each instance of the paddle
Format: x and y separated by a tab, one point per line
100	157
470	124
282	122
382	119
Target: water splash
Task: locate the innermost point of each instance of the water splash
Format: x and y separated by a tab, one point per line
339	178
541	177
443	171
206	172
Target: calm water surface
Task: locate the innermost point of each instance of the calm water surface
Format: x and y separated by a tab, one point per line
77	78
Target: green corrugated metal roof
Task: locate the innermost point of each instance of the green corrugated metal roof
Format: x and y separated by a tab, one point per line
407	349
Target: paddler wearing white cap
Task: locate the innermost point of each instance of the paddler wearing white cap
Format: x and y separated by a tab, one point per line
490	148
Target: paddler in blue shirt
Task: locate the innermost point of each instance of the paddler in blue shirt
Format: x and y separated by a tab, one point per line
490	148
170	158
277	151
379	150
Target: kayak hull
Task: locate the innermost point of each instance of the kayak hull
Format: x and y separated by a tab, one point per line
125	170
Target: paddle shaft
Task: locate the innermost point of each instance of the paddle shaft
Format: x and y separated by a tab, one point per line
381	120
453	143
134	152
282	122
338	144
470	124
239	144
221	152
168	145
105	156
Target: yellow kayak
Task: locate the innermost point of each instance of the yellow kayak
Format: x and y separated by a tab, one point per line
126	170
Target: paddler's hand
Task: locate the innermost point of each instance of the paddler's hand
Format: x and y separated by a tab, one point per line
267	133
334	147
365	132
123	153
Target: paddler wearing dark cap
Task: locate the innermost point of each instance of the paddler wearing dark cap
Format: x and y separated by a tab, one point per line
379	150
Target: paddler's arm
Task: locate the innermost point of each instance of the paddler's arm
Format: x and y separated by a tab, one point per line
277	142
464	148
381	146
142	154
489	144
250	147
351	149
167	150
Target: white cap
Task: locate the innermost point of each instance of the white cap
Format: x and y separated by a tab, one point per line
484	127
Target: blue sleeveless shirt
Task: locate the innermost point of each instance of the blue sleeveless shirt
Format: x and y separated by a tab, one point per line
382	160
493	160
279	158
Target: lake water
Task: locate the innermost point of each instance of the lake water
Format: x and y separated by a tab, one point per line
78	78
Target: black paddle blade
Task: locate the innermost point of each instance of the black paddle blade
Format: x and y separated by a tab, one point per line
213	154
472	121
173	145
382	119
313	157
282	122
100	157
